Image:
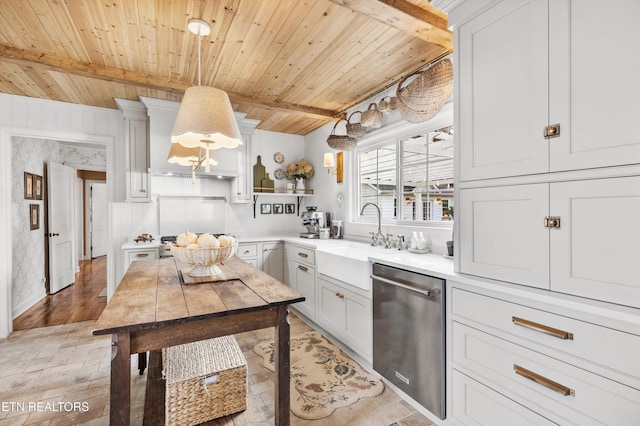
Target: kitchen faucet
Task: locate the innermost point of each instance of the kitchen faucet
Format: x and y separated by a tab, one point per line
375	236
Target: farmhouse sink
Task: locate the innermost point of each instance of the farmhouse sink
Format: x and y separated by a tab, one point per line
348	263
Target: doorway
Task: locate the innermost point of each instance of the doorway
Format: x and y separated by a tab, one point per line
28	284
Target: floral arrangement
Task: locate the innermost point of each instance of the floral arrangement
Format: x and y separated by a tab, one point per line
302	170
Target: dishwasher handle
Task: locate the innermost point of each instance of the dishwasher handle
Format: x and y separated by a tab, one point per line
427	293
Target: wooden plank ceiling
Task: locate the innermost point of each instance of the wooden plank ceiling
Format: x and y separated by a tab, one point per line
293	64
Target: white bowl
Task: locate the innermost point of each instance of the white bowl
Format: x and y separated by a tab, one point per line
204	260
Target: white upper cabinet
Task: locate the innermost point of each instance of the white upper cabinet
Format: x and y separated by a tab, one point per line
137	150
528	64
594	87
503	91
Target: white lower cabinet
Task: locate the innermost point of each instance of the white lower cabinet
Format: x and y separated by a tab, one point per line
249	253
558	368
477	404
305	284
346	314
273	260
132	255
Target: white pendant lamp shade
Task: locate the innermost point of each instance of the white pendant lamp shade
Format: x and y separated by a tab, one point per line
205	119
184	156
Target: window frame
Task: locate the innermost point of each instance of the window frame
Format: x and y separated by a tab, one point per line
384	137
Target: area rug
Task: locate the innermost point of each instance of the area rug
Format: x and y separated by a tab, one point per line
323	379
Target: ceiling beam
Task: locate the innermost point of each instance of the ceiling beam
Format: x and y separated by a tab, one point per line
427	22
134	78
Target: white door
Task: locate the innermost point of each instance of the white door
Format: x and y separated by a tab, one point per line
595	101
595	251
503	234
61	183
98	219
503	83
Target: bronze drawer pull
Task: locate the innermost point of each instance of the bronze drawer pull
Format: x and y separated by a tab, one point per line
339	295
560	334
303	255
554	386
303	268
142	254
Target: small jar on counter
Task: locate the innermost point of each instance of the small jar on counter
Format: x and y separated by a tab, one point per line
324	233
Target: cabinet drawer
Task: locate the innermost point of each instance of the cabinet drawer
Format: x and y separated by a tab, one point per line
474	403
557	390
132	256
247	250
301	254
594	344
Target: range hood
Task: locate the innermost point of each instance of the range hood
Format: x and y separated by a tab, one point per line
162	115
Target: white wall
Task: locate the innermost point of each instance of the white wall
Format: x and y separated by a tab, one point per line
43	119
265	144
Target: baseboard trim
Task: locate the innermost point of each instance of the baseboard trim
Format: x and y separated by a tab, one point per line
22	308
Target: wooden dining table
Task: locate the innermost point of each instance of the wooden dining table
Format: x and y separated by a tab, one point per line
152	308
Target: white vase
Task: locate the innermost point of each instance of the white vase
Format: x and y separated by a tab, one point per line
300	186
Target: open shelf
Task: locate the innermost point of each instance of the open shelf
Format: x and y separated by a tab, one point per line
280	193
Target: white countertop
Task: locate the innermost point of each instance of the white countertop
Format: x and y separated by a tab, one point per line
442	267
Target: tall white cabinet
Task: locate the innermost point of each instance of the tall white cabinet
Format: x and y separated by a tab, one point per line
136	150
546	211
548	189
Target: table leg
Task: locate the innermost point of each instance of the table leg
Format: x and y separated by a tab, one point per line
142	362
120	402
282	396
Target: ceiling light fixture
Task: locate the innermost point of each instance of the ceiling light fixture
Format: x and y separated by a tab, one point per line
205	118
190	157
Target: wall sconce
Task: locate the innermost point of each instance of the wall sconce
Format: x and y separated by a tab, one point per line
329	162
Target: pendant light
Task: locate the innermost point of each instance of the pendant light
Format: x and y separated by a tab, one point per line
190	157
205	118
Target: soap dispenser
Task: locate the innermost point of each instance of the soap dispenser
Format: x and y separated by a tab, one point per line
422	243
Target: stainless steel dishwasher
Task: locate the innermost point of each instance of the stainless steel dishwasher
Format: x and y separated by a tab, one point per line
408	334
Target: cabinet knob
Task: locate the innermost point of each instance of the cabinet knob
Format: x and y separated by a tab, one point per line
340	295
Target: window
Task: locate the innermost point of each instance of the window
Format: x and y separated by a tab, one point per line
423	164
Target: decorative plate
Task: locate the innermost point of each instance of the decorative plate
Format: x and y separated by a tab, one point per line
278	157
279	174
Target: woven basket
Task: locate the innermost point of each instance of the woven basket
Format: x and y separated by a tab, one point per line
372	117
384	104
421	99
341	142
355	130
205	380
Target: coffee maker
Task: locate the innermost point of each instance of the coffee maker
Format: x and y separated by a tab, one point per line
314	220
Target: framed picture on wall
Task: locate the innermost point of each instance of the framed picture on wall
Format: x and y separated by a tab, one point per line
34	216
37	187
290	208
277	209
265	208
28	186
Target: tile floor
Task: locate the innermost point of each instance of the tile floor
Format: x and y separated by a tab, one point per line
43	371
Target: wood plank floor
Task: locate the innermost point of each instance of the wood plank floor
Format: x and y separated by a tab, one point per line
76	303
66	364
